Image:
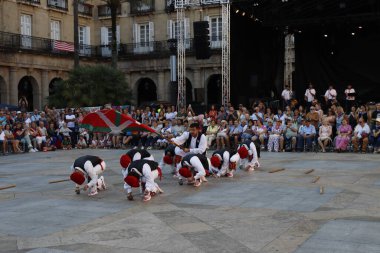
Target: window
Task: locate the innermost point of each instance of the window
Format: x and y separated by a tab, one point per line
143	37
173	31
106	38
216	32
84	40
55	30
26	30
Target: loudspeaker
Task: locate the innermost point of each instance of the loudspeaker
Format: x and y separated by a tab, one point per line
202	40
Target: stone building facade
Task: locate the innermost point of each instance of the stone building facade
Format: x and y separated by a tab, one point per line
33	32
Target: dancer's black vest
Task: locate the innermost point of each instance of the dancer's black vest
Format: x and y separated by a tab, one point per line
144	154
202	158
79	162
221	152
138	165
257	145
188	142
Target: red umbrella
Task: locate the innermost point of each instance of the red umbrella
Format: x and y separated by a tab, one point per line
111	121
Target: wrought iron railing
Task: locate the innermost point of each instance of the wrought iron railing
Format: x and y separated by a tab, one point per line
85	9
58	4
105	11
30	1
140	7
20	43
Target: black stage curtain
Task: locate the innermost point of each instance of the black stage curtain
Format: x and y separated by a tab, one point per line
339	59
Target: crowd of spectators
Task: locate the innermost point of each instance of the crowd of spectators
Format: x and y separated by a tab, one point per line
296	128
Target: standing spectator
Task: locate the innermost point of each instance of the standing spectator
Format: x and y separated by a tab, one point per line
350	96
361	134
306	135
310	95
352	117
375	136
70	120
330	96
286	95
211	132
325	132
344	136
275	140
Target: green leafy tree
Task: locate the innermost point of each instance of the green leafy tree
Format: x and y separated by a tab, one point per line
91	86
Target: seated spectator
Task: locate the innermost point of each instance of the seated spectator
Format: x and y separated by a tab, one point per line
361	112
166	132
41	135
3	141
275	140
260	133
66	143
361	134
257	115
375	136
64	130
306	135
352	117
325	133
268	115
11	140
53	133
280	116
33	132
235	133
81	144
290	135
248	132
152	138
313	116
222	139
344	136
211	132
213	113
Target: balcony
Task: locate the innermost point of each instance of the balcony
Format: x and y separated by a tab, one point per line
85	9
105	12
34	2
11	42
142	7
58	4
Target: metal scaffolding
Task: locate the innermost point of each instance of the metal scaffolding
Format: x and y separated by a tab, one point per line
180	6
289	61
226	58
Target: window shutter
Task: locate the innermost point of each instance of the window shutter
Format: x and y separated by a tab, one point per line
52	30
118	34
104	35
88	35
151	31
136	32
170	29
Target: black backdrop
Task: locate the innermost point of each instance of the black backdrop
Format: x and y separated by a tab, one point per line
339	59
257	55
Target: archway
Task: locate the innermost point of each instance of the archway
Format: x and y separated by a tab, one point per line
189	91
146	91
174	92
53	85
214	89
3	91
28	93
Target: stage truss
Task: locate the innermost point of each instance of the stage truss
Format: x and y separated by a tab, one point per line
180	6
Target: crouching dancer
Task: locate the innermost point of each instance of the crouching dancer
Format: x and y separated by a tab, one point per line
195	168
249	156
144	172
224	162
88	167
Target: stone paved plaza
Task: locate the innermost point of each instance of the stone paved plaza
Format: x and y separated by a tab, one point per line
257	212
